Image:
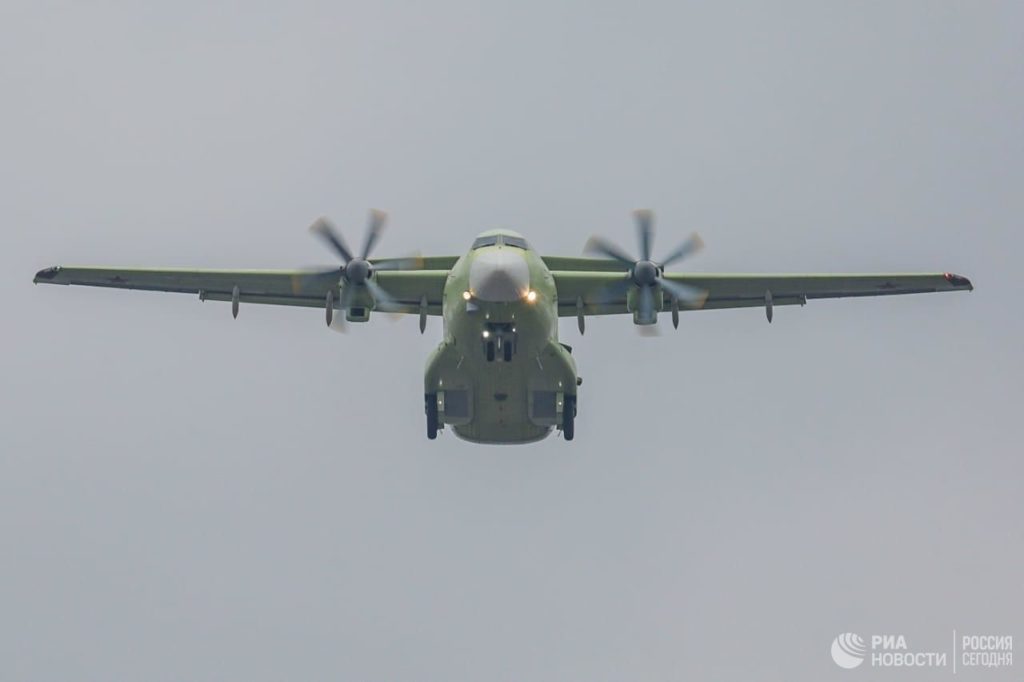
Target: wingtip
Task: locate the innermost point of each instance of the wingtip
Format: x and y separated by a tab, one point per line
46	274
959	281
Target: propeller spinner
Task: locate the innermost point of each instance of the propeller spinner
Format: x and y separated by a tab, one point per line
647	274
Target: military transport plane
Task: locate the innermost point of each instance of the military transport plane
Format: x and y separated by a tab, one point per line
500	374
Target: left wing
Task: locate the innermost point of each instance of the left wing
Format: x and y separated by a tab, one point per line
408	288
605	293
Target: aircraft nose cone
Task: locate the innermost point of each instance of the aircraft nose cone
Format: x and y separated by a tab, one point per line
499	275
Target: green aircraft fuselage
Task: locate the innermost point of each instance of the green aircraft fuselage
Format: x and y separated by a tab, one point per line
500	375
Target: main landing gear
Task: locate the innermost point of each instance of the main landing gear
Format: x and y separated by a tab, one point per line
569	417
431	408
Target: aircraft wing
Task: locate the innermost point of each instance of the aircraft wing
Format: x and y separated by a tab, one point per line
604	293
278	287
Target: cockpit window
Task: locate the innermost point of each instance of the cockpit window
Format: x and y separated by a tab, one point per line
517	242
485	241
495	239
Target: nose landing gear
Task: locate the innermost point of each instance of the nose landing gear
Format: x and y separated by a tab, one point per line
499	339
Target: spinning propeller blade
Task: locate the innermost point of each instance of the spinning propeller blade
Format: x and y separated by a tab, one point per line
645	231
323	228
605	248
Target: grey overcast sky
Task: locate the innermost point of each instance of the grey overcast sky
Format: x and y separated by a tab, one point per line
187	497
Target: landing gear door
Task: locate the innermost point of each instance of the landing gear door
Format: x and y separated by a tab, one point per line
545	407
455	406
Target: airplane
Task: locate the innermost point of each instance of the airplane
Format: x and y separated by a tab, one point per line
500	374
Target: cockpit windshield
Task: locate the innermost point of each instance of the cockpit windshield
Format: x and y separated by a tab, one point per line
485	241
500	239
517	242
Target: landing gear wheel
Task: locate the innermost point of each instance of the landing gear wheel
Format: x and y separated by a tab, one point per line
569	417
507	351
490	351
431	408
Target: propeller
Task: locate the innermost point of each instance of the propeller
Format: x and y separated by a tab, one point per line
356	272
647	274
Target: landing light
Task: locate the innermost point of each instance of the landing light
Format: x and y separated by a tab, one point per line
531	296
487	334
466	295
